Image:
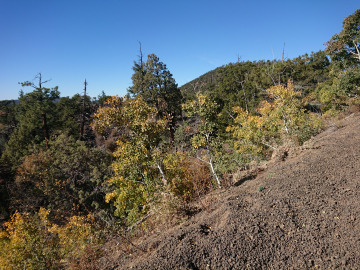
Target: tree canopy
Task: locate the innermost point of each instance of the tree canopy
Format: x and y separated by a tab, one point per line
346	44
154	82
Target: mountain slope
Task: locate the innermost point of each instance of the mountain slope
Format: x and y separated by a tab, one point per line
307	215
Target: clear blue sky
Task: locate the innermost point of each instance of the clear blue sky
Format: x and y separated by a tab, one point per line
70	40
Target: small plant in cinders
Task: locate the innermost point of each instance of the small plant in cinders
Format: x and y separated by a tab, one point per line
261	188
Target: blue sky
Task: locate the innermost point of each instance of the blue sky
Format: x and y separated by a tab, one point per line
70	40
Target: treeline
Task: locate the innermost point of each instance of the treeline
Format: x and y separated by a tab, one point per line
77	170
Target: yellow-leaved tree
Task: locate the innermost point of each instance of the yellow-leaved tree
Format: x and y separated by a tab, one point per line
205	141
138	165
281	117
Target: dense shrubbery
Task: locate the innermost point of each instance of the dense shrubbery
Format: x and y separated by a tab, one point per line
31	241
281	117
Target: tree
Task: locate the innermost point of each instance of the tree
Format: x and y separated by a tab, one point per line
346	44
139	86
340	90
138	168
67	178
350	82
204	141
310	70
36	117
286	108
26	243
154	82
74	116
281	116
7	121
83	113
41	99
5	180
237	86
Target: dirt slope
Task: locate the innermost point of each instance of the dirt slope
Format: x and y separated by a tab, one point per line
307	215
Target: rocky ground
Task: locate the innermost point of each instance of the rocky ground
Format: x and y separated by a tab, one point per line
301	210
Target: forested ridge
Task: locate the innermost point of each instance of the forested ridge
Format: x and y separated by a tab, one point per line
77	172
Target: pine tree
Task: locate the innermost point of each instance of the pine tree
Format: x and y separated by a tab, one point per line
154	82
36	117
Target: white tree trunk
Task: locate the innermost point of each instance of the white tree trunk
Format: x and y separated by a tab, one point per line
357	50
161	172
285	124
214	173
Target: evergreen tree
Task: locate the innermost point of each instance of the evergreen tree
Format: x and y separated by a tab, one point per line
7	121
74	115
36	117
154	82
68	178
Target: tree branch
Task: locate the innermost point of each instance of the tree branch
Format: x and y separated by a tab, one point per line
357	49
139	222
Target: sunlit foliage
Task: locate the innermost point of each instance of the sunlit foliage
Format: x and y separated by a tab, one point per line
204	141
33	242
138	169
281	117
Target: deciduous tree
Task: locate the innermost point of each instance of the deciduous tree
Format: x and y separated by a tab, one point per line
204	142
346	44
138	168
281	116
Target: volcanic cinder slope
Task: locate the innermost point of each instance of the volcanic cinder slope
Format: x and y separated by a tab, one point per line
299	213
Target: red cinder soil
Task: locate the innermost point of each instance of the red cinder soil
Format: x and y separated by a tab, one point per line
306	216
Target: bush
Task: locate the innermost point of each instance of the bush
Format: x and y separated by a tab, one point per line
189	177
33	242
26	243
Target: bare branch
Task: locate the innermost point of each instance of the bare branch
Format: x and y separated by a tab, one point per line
357	49
139	222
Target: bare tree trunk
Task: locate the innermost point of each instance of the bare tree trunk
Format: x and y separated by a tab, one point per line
45	130
164	180
285	124
246	101
283	52
244	93
213	171
210	162
357	50
82	125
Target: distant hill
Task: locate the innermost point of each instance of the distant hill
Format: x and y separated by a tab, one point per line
8	102
199	84
306	71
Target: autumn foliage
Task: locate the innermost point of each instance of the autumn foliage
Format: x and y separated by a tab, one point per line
33	242
282	117
72	169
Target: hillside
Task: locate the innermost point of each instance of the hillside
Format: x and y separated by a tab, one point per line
306	215
189	89
253	165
